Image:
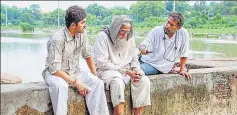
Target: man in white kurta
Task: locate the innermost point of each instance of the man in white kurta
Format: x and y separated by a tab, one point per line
117	62
163	47
62	66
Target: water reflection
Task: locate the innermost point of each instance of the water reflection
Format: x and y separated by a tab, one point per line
213	49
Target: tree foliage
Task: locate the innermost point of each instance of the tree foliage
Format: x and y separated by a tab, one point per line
144	14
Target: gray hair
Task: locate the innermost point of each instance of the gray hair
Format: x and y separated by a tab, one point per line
127	23
177	17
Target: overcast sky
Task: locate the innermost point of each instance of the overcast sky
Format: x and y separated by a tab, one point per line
47	6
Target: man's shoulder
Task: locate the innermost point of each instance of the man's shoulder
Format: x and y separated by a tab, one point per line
157	29
184	30
102	35
59	35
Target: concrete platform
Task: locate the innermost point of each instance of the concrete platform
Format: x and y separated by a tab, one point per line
213	90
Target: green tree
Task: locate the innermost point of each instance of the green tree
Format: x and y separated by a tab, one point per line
35	11
26	26
90	18
98	10
119	10
144	9
51	18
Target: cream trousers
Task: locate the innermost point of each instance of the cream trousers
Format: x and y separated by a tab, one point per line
95	99
140	91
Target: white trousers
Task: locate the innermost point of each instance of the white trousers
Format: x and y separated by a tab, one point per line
140	91
95	99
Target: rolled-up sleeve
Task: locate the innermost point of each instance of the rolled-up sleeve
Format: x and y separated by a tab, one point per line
148	42
54	55
86	47
185	45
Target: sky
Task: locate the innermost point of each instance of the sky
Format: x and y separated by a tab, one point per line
47	6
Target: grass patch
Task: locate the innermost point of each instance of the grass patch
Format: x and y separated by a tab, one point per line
230	30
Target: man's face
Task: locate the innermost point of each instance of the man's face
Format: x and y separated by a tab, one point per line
81	26
124	31
171	26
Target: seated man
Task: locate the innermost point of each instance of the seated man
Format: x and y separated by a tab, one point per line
117	62
164	45
62	66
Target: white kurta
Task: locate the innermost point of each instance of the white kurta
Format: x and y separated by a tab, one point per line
164	54
110	60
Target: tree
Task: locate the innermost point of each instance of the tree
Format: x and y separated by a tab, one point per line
200	6
144	9
35	11
119	10
98	10
51	18
90	18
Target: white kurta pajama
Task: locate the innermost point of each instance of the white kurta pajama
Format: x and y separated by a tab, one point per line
165	51
63	54
111	63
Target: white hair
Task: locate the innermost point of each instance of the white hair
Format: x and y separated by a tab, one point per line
127	23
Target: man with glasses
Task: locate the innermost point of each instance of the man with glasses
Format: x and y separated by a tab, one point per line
163	47
117	63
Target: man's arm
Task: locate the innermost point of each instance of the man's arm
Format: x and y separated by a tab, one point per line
183	61
55	52
65	76
146	45
182	71
91	65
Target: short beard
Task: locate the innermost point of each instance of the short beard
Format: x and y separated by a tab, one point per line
120	44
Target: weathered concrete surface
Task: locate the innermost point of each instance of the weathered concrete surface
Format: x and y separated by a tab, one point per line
211	91
212	63
9	78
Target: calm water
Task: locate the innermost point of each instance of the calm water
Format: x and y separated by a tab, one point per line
25	57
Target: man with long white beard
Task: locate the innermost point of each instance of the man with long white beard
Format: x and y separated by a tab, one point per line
117	63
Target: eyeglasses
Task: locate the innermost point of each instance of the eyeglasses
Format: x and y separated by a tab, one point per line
124	31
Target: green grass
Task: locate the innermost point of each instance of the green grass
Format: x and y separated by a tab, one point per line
230	30
93	30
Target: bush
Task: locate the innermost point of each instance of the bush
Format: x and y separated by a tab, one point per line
26	26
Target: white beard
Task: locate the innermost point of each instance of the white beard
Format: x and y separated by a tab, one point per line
121	44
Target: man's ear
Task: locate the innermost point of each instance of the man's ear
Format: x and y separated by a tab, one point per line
73	25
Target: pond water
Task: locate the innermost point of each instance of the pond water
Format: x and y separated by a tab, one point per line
24	55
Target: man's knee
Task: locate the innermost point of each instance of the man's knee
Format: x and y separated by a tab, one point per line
146	80
117	82
99	82
57	82
61	86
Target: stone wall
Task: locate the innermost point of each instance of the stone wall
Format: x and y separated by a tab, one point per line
211	91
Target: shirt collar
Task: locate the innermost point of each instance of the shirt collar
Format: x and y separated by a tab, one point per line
172	38
68	34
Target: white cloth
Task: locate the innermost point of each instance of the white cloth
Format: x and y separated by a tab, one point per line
113	56
164	54
140	91
95	99
107	57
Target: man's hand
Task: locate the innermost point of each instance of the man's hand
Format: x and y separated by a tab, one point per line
135	75
144	52
185	74
81	87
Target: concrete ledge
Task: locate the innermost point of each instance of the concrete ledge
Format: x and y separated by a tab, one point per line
211	91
